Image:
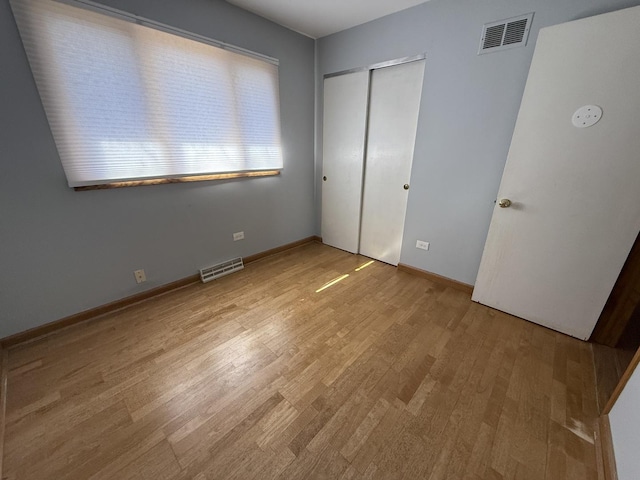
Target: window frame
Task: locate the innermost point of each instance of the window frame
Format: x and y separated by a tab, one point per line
187	176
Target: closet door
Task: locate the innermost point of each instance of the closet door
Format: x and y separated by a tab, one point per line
393	119
344	127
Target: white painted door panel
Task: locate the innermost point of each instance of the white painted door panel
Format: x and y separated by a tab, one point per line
393	119
555	254
344	126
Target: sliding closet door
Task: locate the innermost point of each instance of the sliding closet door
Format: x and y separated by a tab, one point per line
393	119
344	127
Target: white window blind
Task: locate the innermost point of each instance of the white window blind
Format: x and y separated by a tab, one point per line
128	102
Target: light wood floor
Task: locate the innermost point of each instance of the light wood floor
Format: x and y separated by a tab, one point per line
258	375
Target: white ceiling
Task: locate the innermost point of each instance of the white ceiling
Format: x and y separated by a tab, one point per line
317	18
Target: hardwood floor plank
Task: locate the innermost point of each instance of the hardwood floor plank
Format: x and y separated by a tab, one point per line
157	463
264	375
362	432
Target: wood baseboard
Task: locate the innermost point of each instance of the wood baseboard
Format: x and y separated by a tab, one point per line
282	248
434	277
48	328
604	450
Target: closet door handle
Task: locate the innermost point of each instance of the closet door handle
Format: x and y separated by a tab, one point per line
324	179
406	186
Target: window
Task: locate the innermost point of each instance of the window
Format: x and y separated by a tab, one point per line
127	102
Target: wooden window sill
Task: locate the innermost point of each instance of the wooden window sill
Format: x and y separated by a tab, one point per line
161	181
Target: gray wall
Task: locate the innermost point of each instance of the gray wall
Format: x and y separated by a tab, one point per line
62	252
467	115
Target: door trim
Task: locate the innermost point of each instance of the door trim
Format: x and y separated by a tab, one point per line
622	383
605	455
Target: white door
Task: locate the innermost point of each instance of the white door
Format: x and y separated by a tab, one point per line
553	256
393	119
344	126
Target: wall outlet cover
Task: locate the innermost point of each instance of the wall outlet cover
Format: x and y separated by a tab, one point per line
422	245
140	276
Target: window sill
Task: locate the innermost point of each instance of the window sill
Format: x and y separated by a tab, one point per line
162	181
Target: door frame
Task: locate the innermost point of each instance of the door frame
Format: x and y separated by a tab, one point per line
375	66
622	383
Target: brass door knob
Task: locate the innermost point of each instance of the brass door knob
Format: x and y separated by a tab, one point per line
504	203
406	186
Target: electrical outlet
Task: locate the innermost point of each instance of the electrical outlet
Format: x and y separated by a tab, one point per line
140	276
238	236
422	245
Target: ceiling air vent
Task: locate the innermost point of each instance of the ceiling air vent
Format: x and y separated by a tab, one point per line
220	270
509	33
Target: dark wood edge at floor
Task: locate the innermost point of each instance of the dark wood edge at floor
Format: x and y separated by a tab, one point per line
622	383
604	450
47	328
622	302
4	372
434	277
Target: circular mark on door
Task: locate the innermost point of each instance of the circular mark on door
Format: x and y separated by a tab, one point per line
587	116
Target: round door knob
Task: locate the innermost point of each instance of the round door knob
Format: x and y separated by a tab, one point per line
406	186
504	203
324	179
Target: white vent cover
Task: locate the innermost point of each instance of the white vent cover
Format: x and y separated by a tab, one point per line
505	34
220	270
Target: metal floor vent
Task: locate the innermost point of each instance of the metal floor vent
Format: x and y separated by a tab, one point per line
504	34
220	270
